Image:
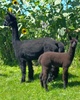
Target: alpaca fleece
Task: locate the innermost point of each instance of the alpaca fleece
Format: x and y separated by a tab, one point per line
28	50
63	60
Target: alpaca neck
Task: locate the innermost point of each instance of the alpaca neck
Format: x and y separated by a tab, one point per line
71	52
15	35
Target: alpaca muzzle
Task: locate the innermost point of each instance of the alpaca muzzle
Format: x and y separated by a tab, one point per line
74	44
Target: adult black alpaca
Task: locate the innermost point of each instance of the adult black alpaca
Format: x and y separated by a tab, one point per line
29	50
63	60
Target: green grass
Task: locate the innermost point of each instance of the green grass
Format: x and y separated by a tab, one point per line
12	89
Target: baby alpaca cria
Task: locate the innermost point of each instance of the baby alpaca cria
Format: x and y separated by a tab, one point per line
63	60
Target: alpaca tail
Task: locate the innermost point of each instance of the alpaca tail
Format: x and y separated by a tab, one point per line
39	59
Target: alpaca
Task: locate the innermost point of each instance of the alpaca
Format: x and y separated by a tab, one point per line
28	50
63	60
53	73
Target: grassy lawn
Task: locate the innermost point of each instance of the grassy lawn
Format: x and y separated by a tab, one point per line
12	89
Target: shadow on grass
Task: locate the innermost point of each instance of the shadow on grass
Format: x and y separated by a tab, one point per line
36	76
60	85
74	83
58	82
70	76
3	75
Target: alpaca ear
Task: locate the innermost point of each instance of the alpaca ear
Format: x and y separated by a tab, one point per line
70	37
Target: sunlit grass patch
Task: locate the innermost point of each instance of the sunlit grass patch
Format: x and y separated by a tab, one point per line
12	89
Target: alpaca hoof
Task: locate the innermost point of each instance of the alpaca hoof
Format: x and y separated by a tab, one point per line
30	80
22	80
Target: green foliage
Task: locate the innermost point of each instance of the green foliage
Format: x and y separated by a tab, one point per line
40	19
50	18
6	49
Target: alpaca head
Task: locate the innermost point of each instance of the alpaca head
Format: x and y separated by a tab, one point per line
73	41
9	19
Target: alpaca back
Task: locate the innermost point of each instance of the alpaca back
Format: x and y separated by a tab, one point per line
60	59
54	58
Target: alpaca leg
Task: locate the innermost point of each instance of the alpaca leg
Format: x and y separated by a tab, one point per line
23	70
53	74
31	71
56	72
65	77
44	78
41	80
